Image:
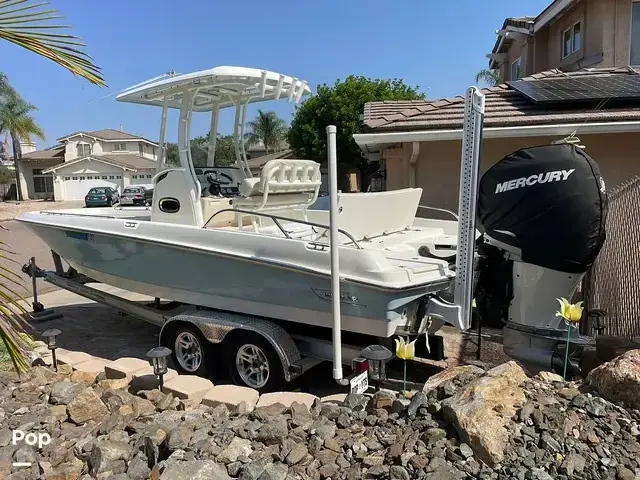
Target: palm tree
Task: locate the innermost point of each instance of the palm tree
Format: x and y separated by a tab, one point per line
26	24
267	129
490	77
16	120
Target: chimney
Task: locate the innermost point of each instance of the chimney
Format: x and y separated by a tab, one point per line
27	146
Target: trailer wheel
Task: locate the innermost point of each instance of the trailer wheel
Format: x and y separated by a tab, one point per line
189	351
253	362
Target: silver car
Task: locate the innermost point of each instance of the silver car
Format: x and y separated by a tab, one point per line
133	196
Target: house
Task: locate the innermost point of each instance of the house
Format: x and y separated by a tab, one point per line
592	93
570	35
86	159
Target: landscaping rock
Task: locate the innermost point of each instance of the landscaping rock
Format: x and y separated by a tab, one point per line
619	380
63	392
86	406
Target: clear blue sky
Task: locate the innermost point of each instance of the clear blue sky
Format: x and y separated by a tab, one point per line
438	45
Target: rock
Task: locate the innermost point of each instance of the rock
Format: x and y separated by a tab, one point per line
355	401
105	453
178	438
481	411
63	392
381	399
465	450
550	377
573	463
448	375
568	393
398	472
195	470
25	454
273	432
274	471
85	406
328	471
619	380
623	473
300	415
238	447
297	454
597	407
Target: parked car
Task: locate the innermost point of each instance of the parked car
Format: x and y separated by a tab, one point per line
148	196
101	197
135	195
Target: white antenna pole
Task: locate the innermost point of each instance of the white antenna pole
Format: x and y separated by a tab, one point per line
335	249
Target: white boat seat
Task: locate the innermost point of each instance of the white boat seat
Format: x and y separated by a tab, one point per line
283	184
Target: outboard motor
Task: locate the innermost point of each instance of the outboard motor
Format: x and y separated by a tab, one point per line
542	211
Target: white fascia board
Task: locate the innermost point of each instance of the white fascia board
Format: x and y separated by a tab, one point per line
546	16
366	140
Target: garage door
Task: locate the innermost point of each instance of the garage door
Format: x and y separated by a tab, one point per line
76	187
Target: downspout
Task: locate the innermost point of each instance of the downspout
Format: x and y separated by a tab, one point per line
415	151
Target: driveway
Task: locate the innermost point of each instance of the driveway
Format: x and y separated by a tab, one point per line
24	244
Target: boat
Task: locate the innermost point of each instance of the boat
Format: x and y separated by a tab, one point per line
219	238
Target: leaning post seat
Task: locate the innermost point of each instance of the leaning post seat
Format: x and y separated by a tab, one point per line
283	184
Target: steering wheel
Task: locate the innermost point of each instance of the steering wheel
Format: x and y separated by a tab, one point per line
216	183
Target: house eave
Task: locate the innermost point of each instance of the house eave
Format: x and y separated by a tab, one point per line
79	160
551	12
371	142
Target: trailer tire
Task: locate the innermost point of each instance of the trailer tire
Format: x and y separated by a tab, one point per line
247	351
190	351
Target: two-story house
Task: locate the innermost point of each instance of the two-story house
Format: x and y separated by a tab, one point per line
83	160
569	70
571	35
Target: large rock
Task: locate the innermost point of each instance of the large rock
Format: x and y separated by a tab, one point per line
62	393
86	406
619	380
449	375
481	410
195	470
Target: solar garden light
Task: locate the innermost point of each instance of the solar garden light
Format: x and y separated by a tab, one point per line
377	357
158	356
51	335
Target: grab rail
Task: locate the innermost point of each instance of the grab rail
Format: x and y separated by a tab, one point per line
276	219
440	210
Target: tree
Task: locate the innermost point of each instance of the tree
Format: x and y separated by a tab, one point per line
225	151
16	120
341	105
490	77
267	129
26	24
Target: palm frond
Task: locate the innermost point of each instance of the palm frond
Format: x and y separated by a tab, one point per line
26	27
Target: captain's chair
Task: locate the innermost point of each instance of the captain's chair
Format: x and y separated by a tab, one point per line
283	184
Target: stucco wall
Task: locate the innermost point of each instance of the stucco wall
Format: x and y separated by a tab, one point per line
438	164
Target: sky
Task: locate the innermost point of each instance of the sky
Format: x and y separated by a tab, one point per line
436	45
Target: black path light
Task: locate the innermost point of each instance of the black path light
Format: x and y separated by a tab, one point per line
377	357
159	356
51	335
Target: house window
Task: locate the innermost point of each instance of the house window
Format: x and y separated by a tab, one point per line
75	178
83	149
111	177
119	177
89	178
515	69
134	176
67	178
153	149
149	176
81	178
571	40
635	34
141	149
42	183
120	147
104	177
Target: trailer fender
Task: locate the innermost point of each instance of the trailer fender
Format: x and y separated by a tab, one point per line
216	325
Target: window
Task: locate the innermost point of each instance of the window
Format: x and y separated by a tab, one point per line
119	177
149	176
67	178
120	147
89	178
515	69
111	177
81	178
571	40
42	183
104	177
635	34
75	178
153	149
83	149
134	176
141	149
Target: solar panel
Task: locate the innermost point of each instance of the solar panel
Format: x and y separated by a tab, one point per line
583	88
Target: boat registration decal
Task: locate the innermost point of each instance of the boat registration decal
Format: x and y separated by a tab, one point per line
79	235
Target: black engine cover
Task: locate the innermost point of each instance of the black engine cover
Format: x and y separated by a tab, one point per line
550	201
